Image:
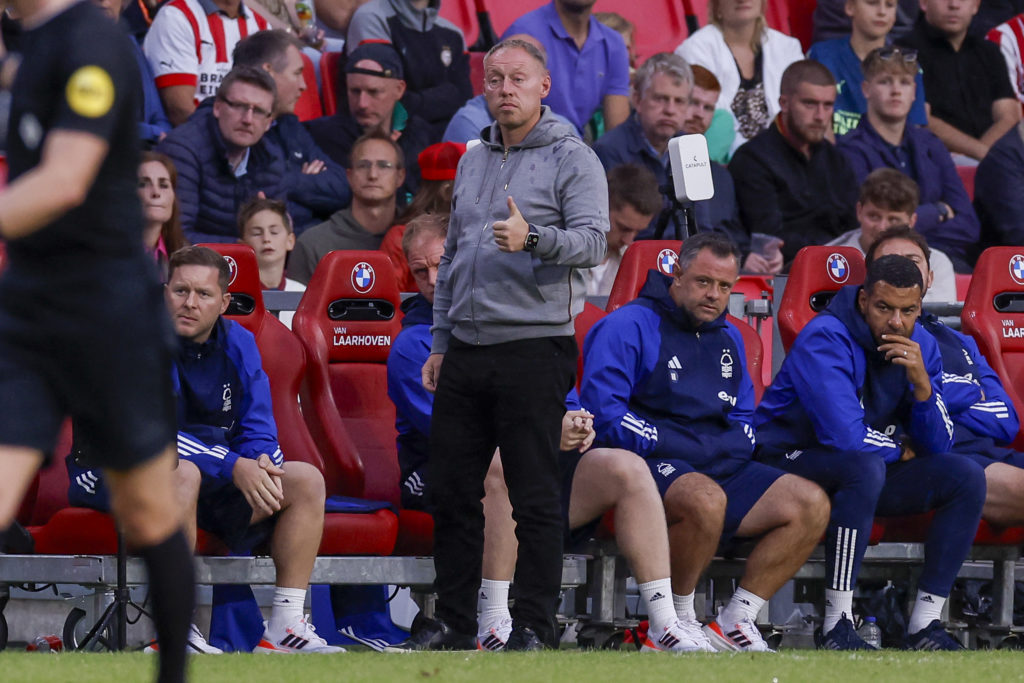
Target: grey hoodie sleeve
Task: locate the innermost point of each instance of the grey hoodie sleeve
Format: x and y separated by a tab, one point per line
583	192
441	330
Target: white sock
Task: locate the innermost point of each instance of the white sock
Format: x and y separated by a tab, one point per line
684	606
744	605
927	608
837	603
657	597
287	609
493	604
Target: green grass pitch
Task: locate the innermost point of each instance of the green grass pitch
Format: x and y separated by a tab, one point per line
572	666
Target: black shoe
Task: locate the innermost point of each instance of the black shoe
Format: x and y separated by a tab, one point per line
932	637
435	635
523	639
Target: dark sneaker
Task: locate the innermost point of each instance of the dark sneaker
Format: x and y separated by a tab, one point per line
932	637
523	639
435	635
844	637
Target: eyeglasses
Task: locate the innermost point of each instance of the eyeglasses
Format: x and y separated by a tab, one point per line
890	52
365	165
242	108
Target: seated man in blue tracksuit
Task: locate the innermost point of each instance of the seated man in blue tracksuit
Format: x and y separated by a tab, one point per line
983	415
231	476
596	481
666	379
857	407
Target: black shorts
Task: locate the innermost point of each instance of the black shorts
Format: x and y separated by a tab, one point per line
224	512
97	350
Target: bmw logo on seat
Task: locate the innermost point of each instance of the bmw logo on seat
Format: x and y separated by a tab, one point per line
363	277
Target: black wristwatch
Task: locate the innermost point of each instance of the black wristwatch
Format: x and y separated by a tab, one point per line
532	239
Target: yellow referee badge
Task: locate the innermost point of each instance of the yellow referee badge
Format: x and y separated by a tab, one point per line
90	92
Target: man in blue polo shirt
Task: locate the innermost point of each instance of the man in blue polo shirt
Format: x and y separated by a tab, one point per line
588	61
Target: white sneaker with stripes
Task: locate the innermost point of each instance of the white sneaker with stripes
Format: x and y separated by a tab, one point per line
494	636
680	636
743	636
299	638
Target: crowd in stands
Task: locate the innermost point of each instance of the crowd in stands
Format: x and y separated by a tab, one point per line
838	144
922	88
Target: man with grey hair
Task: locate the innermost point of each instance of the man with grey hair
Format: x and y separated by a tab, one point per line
661	99
529	211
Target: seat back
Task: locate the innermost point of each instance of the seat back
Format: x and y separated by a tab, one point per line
994	315
587	318
963	284
967	174
282	354
308	107
760	287
660	24
462	13
347	319
816	275
754	352
331	66
640	257
476	72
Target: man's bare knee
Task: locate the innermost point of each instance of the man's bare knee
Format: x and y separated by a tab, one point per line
303	482
695	497
807	503
187	481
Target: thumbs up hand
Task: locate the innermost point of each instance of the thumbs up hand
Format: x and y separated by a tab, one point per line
510	235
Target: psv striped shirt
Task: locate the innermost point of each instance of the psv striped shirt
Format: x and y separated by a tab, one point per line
191	41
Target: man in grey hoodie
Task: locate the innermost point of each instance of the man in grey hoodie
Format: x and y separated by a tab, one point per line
529	211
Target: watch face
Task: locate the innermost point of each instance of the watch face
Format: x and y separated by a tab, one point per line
531	241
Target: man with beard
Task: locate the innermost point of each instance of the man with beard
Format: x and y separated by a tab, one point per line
790	181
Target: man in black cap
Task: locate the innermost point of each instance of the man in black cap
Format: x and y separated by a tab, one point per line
374	81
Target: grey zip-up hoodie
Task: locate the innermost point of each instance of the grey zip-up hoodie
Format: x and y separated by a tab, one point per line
485	296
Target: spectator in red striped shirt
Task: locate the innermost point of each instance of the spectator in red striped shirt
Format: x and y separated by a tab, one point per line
189	47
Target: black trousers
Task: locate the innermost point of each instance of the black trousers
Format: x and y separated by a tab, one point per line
509	396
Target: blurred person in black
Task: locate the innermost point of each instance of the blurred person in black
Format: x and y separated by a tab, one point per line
83	331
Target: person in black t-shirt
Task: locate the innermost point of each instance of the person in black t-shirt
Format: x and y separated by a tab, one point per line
83	331
971	100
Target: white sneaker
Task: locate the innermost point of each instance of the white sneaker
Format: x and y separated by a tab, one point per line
742	636
680	636
299	638
495	637
196	643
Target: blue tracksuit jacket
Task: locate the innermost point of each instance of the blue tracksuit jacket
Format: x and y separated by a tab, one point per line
835	390
983	414
663	387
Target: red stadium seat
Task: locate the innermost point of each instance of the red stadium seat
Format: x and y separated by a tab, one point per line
963	283
967	174
331	65
816	275
284	361
760	287
503	13
462	13
3	171
660	24
347	320
476	72
584	321
639	258
994	315
308	107
792	17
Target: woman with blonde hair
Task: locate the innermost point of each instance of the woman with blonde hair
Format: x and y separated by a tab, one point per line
748	59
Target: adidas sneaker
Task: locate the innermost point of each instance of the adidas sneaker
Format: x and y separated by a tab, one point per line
196	644
932	637
742	636
299	638
680	636
495	637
